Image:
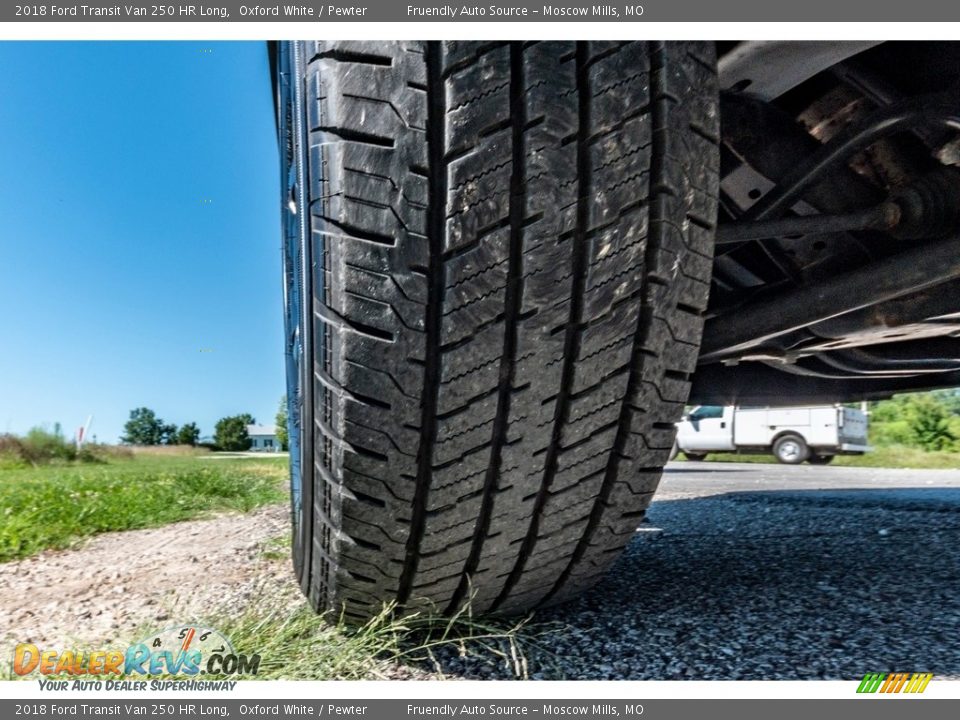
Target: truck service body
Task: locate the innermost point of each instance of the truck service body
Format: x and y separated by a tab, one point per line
825	430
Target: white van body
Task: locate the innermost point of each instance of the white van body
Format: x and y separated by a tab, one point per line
816	431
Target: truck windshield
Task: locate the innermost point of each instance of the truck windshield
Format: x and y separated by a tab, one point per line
707	411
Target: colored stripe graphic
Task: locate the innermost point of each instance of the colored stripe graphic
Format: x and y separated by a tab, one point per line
870	682
894	682
187	640
888	683
919	682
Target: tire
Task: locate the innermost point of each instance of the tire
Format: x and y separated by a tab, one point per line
791	449
497	259
815	459
695	457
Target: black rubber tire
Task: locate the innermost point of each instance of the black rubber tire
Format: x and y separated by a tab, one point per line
815	459
695	457
791	449
508	254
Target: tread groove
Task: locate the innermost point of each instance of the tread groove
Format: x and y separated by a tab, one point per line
436	125
572	334
351	232
352	56
343	134
512	305
654	242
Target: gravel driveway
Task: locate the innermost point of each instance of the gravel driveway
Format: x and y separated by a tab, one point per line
119	582
741	572
775	572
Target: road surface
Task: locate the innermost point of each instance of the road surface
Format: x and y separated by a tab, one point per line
747	571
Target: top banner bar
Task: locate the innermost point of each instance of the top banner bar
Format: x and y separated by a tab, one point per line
563	11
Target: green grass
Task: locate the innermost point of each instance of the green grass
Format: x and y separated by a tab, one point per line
296	644
54	506
903	457
276	548
893	456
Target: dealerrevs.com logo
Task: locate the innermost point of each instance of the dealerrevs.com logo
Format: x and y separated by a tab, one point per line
182	650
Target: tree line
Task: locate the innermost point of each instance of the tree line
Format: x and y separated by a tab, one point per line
230	433
928	420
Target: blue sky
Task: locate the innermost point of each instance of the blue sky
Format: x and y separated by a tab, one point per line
139	234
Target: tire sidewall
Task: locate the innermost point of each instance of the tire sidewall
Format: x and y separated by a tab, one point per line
296	362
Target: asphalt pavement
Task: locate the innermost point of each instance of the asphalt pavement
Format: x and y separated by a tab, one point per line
745	571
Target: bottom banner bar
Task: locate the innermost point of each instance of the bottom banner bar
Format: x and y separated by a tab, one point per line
873	707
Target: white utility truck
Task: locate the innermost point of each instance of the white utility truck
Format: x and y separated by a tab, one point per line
815	433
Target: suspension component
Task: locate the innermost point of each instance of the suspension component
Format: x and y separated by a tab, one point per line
756	324
927	208
884	216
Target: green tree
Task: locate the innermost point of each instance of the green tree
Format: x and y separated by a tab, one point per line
231	432
281	421
144	428
930	422
950	399
188	434
169	434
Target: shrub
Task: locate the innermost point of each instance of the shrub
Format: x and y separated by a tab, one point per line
42	447
930	422
95	452
10	452
896	432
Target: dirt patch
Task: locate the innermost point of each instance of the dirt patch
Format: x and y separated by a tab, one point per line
118	583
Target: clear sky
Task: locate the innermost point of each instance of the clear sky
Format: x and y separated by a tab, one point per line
139	234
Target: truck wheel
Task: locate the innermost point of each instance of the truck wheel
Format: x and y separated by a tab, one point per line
815	459
695	457
791	449
497	259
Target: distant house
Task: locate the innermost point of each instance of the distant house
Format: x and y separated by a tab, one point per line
263	438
